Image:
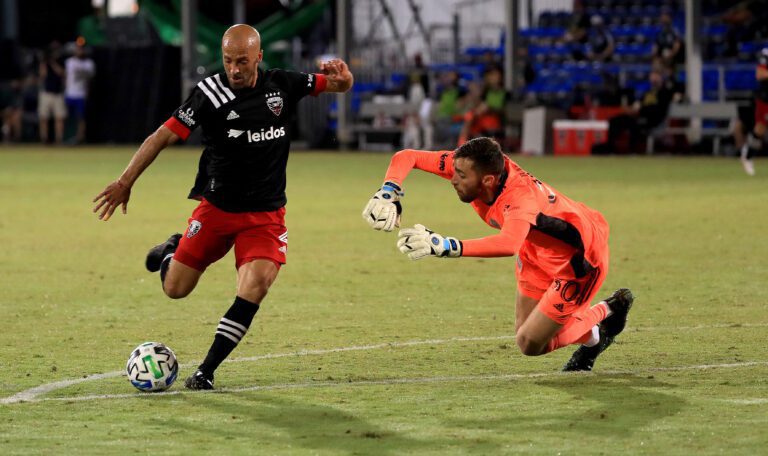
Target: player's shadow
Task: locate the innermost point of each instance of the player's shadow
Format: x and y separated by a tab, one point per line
609	404
293	423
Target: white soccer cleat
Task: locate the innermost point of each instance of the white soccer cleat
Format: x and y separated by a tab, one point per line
749	166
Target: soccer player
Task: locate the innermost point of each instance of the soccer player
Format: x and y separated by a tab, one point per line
755	137
561	244
245	114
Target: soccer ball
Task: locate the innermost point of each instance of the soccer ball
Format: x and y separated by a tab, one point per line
152	367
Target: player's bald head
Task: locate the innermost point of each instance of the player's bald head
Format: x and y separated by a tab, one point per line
241	37
241	53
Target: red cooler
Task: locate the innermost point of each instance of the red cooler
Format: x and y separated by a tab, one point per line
576	137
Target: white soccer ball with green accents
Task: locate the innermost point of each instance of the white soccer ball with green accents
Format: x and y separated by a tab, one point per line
152	367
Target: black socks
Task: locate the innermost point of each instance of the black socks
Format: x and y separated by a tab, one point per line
231	330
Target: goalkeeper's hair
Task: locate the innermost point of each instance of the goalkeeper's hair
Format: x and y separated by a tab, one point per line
485	153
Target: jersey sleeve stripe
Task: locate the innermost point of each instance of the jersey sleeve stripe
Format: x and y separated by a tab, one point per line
320	84
212	85
226	90
178	128
208	93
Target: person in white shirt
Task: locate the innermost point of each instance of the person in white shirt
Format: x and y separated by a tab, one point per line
79	70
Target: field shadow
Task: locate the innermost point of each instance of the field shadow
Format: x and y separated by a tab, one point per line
615	405
292	423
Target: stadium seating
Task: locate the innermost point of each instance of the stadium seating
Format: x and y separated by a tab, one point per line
634	26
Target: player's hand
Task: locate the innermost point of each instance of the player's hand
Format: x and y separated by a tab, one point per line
116	194
419	241
337	74
383	210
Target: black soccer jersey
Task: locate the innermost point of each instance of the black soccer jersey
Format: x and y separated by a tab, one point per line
666	39
762	86
246	136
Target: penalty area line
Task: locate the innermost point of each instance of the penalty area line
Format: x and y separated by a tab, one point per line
406	381
30	395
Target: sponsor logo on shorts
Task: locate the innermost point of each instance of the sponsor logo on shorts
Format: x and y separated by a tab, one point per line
187	116
559	307
282	249
194	228
283	238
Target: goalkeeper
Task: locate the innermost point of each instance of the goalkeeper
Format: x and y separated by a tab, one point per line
561	245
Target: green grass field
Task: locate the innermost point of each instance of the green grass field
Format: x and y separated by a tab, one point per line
358	350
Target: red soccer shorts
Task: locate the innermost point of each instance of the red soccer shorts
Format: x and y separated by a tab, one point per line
761	112
212	232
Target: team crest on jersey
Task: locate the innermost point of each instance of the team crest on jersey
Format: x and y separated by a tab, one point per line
275	103
194	228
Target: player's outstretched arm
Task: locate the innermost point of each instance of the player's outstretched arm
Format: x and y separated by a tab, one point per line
337	75
419	242
118	192
384	209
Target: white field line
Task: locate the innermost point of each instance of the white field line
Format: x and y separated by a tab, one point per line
31	394
756	401
408	381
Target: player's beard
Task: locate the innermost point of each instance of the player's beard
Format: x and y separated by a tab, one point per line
465	197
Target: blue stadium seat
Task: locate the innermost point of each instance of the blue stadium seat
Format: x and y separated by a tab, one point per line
542	32
740	80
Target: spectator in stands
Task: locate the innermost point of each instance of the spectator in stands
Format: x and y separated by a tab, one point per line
420	73
30	91
51	99
645	115
578	26
486	118
668	44
417	124
80	69
450	110
610	92
744	21
601	43
10	109
577	34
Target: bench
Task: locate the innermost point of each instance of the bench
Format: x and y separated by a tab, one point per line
371	133
719	112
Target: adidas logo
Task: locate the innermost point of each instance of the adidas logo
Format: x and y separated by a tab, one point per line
232	115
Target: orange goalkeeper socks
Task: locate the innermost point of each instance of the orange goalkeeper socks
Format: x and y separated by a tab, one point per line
579	328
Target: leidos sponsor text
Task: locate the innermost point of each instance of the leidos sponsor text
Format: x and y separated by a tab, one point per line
262	135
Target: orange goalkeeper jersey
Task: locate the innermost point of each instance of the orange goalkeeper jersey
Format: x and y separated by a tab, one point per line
531	217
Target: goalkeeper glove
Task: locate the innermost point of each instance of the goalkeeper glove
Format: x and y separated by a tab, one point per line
383	210
419	241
